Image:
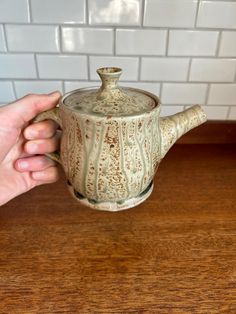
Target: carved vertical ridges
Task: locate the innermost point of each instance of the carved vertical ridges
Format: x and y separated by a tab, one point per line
111	159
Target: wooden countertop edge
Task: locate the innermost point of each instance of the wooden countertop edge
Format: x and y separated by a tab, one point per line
211	132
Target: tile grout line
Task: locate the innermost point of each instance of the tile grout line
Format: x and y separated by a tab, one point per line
142	10
114	41
60	39
110	25
207	94
87	12
189	69
196	14
88	67
157	56
167	42
228	113
30	12
36	66
218	45
5	38
139	68
124	81
14	88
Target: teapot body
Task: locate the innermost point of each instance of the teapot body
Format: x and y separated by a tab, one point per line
113	141
110	160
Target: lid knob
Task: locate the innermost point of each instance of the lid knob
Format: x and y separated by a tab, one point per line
109	77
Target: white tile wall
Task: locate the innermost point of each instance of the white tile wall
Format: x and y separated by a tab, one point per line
14	11
87	40
232	113
173	93
72	85
6	92
115	12
129	65
192	43
140	42
182	50
216	112
170	13
218	14
228	44
212	70
32	38
58	11
2	40
17	66
150	87
164	69
169	110
65	67
222	94
37	87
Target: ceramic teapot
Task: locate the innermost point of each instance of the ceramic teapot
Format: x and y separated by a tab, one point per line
113	141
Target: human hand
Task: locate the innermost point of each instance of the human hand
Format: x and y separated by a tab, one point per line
23	144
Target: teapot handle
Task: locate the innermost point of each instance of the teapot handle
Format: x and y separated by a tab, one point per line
52	114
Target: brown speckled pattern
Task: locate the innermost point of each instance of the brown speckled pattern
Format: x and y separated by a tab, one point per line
110	159
113	141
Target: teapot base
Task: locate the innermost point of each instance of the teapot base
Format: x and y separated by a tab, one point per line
112	206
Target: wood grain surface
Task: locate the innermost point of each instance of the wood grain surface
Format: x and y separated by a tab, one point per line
175	253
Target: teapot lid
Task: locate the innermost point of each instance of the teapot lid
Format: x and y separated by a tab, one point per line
111	99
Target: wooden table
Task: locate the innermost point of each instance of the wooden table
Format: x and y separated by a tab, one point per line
176	253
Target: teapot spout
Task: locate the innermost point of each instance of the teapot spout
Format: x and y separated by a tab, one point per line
173	127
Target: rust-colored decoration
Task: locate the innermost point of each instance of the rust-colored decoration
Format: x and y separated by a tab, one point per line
113	141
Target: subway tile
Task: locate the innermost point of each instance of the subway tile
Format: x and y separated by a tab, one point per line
87	40
170	110
164	69
62	67
216	112
150	87
153	88
184	94
6	92
218	14
128	64
232	113
37	87
58	11
228	44
2	40
14	11
73	85
170	13
115	12
32	38
212	70
222	94
192	43
140	42
17	66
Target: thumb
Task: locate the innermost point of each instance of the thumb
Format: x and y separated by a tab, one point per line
26	108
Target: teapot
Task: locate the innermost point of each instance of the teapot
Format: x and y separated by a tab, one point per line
113	140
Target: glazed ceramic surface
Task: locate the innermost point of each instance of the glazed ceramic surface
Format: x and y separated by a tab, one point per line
113	141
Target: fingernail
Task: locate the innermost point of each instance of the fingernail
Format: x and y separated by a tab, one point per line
23	164
30	134
37	175
32	147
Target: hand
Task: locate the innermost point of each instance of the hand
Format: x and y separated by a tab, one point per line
23	145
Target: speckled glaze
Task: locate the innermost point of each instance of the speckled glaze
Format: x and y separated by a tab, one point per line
113	141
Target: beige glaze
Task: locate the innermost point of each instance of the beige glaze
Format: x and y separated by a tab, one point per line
113	141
